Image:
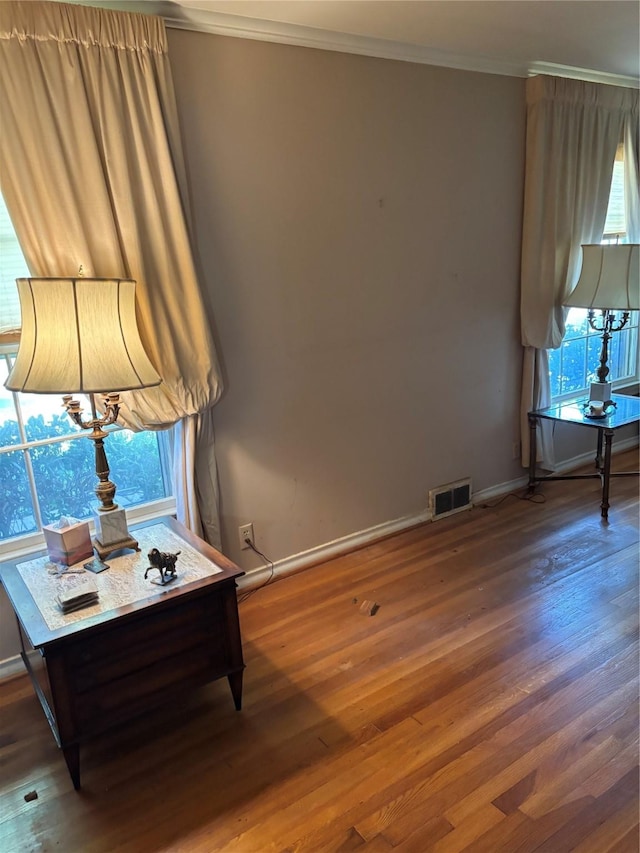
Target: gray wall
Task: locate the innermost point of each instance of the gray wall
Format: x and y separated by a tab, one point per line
358	229
358	226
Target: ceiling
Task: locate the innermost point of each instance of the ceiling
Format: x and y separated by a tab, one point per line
503	36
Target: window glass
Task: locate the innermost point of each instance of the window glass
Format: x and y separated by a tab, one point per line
573	366
9	432
17	517
47	463
44	417
53	473
64	474
615	222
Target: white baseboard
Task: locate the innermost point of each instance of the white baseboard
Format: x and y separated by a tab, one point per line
11	667
561	468
305	559
585	458
499	490
289	565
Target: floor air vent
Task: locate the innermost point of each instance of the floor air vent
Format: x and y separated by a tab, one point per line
454	497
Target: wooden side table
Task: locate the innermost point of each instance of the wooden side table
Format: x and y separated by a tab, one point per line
626	411
139	646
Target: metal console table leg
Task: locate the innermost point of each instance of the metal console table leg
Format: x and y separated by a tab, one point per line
606	471
533	423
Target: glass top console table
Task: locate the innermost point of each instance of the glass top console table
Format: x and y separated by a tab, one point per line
625	412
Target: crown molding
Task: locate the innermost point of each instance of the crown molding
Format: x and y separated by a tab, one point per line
583	74
239	26
183	17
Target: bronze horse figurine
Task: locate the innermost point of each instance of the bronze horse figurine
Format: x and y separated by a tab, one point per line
164	562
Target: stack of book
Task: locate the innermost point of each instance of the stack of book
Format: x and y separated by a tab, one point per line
83	593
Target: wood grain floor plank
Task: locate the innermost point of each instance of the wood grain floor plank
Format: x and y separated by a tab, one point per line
514	759
605	808
466	834
619	832
490	705
518	833
606	776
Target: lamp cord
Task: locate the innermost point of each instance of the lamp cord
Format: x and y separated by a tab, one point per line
268	580
532	498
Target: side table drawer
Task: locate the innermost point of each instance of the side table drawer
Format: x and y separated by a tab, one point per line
167	629
136	665
137	691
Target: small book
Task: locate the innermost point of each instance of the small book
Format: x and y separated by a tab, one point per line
83	593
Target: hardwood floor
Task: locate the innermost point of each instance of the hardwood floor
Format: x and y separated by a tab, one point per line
490	704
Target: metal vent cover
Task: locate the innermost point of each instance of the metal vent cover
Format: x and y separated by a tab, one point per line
451	498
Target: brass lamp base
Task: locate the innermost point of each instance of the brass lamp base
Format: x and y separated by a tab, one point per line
104	550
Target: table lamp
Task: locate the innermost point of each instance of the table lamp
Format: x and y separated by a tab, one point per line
79	335
609	282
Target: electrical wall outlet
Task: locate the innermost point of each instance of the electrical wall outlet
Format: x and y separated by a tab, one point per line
245	534
515	450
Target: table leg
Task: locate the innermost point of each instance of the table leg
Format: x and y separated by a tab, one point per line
606	474
533	423
599	450
235	683
72	757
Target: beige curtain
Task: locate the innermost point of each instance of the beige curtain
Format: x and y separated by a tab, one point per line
631	147
93	175
573	131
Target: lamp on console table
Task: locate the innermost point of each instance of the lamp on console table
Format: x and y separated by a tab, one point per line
609	282
79	335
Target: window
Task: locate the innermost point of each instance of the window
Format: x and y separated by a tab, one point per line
573	366
47	466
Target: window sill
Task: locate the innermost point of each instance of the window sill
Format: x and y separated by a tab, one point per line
23	546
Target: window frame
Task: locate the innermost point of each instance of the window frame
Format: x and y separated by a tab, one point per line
624	382
614	232
14	265
21	545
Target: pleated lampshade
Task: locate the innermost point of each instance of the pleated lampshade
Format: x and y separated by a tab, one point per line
609	278
79	335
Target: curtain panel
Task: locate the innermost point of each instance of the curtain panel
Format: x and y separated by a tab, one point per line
93	174
573	131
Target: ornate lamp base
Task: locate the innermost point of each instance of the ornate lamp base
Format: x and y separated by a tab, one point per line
112	533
